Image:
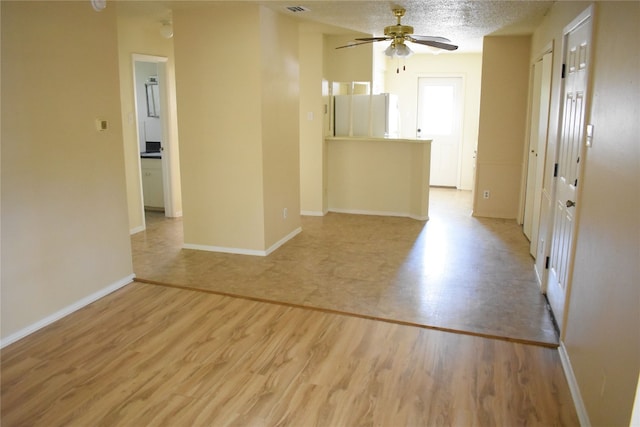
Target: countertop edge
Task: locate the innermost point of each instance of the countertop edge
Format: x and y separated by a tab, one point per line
377	139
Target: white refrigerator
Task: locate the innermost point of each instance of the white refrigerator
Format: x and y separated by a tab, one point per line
366	115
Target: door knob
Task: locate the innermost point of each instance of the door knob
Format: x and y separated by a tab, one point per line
570	203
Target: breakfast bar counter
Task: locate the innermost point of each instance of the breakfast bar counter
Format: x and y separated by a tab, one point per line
378	176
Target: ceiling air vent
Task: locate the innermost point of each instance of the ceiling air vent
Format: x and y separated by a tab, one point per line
296	9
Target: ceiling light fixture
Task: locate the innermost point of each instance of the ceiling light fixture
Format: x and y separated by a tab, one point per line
98	5
398	49
166	30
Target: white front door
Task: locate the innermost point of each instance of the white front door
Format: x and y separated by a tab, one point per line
576	60
440	119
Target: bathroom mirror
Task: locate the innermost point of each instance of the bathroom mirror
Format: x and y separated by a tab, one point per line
153	99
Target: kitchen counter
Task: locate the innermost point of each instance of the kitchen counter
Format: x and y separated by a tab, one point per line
377	139
378	176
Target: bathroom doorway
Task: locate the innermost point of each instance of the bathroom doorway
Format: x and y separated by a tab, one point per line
156	126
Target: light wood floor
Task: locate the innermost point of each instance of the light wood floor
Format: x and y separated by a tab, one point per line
453	272
154	355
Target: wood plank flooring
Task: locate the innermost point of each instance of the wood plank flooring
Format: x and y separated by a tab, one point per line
453	272
149	355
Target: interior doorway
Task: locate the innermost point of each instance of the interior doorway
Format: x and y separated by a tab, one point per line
538	135
440	107
155	119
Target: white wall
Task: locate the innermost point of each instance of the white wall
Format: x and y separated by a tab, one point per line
502	127
141	35
405	85
65	234
312	117
602	335
238	124
349	64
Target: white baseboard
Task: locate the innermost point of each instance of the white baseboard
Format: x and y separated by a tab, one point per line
312	213
583	417
379	213
66	311
284	240
136	229
419	218
241	251
223	249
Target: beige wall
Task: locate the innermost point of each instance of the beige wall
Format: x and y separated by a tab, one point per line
232	126
405	85
312	118
348	64
141	35
280	125
379	177
502	128
64	210
602	336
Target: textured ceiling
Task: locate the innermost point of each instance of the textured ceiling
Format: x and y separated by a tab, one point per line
464	22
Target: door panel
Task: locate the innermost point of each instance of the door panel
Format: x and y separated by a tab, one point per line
537	151
532	170
568	175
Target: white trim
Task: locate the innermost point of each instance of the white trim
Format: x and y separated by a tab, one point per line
237	251
581	410
419	217
241	251
379	213
312	213
284	240
66	311
137	229
148	58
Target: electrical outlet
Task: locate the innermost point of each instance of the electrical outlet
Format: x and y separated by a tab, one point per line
485	194
101	125
284	213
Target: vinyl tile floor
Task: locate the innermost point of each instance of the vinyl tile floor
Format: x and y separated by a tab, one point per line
453	272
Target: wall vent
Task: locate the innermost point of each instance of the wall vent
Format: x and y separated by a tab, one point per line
296	9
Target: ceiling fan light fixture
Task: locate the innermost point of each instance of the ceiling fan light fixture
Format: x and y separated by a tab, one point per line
166	30
391	50
398	49
398	34
403	51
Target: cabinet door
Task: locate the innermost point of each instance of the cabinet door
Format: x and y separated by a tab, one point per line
153	192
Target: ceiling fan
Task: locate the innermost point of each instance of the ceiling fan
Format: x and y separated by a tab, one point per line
398	34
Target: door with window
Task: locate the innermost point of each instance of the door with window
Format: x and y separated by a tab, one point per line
570	143
440	119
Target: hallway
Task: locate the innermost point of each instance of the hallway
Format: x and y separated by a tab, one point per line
453	273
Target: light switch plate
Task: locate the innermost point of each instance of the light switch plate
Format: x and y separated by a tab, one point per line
589	139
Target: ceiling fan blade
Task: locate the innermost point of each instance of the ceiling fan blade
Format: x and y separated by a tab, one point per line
439	45
376	39
414	37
